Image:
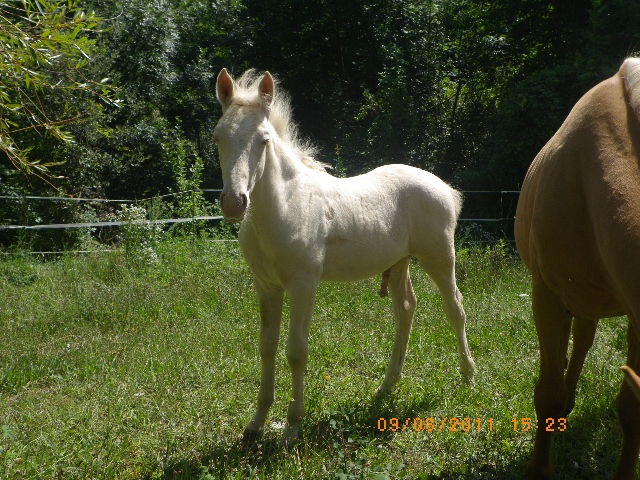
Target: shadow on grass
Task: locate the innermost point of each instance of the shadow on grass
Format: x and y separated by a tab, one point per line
591	446
350	426
589	449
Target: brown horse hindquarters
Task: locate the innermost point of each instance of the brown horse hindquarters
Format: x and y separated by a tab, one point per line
567	205
578	231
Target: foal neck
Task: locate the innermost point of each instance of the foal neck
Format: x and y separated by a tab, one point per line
285	160
281	170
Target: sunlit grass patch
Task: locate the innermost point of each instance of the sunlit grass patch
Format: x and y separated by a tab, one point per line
112	370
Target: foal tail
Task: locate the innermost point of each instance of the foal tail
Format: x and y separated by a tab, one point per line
630	72
457	201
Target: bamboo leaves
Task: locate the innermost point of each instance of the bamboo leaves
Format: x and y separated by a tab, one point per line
45	46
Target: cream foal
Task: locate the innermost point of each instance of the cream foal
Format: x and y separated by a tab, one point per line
301	225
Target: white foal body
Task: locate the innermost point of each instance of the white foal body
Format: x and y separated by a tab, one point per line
344	228
301	225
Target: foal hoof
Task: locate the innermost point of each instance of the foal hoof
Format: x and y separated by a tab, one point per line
291	436
468	369
251	436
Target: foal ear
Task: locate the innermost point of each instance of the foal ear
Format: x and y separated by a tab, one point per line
266	89
224	88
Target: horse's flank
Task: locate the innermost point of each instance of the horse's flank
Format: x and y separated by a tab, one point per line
355	227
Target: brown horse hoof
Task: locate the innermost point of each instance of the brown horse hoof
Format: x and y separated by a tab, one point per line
538	472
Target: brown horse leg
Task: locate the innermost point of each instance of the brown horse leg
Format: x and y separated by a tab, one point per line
584	331
553	325
628	410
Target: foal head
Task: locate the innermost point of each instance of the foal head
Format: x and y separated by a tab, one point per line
242	135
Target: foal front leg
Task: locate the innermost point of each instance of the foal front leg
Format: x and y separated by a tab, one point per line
270	299
301	293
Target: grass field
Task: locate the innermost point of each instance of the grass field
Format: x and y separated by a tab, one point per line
115	369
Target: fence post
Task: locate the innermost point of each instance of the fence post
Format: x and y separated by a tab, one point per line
504	232
193	215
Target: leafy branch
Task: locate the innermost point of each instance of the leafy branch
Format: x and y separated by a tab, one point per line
45	47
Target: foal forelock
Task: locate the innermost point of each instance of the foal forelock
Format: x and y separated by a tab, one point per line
245	93
630	72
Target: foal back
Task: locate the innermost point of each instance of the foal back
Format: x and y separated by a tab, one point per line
374	220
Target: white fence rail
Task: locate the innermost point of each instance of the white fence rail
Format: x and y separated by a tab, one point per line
170	221
184	219
108	224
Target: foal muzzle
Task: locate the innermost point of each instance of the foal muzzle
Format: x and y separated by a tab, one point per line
234	206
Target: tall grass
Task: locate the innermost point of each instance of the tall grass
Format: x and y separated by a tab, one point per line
112	369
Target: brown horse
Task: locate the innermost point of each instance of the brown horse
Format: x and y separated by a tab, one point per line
578	231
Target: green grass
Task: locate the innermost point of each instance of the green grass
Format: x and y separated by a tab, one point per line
110	370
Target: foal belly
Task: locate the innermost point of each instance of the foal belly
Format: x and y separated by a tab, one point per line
346	261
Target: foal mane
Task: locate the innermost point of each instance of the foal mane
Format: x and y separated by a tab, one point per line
245	92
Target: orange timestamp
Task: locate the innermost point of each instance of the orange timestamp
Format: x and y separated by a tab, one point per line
431	424
525	424
466	424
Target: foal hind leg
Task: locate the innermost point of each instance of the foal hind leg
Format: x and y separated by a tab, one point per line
404	306
444	275
384	284
628	411
553	326
584	331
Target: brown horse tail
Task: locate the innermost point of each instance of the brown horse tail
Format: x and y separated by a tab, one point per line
633	380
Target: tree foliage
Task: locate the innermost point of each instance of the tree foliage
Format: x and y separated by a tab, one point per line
45	47
470	89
